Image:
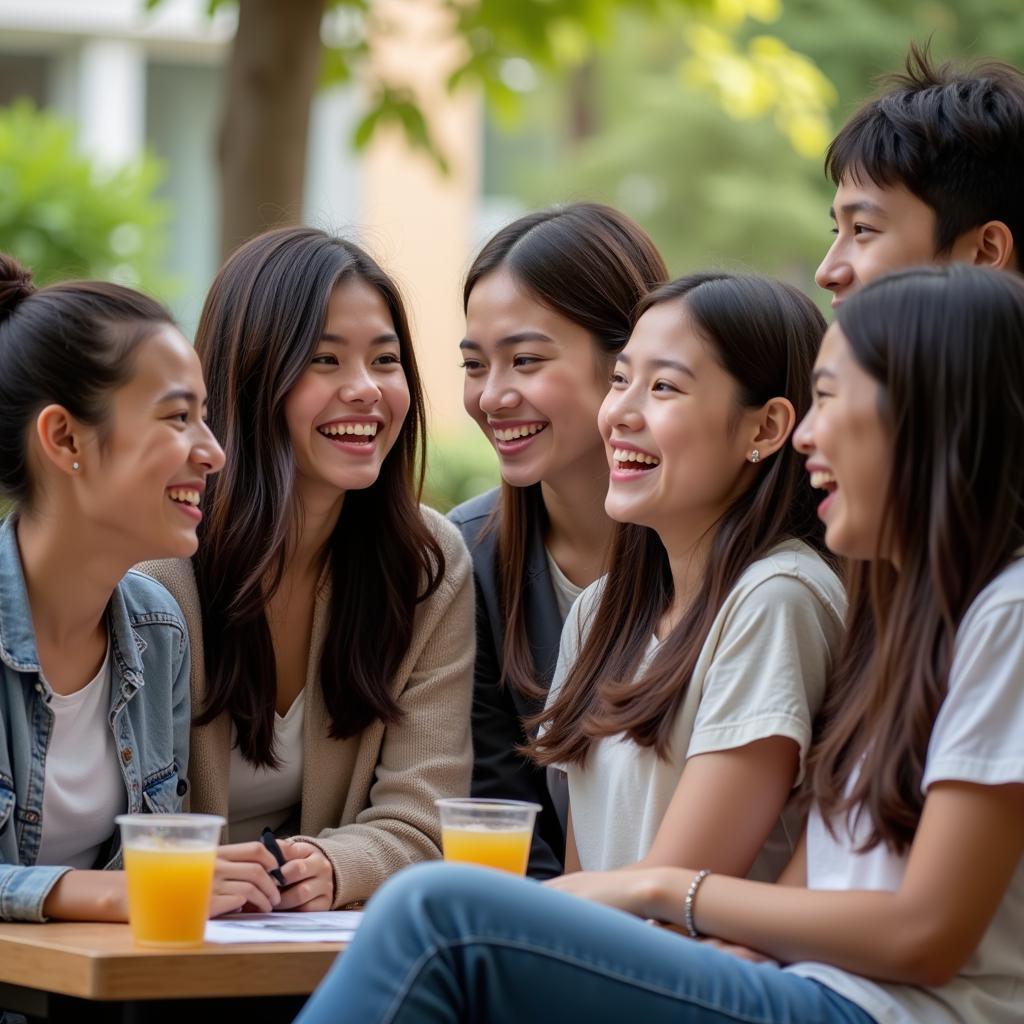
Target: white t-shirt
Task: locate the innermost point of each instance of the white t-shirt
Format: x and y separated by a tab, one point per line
978	737
83	788
565	590
259	797
761	673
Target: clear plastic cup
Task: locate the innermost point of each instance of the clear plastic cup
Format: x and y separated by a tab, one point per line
492	833
169	862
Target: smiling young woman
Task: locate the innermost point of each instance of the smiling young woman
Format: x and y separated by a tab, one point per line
690	675
549	302
331	614
104	456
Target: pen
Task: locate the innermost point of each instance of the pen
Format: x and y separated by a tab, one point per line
270	842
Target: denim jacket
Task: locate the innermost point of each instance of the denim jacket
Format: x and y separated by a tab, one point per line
149	717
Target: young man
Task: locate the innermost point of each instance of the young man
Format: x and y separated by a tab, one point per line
931	170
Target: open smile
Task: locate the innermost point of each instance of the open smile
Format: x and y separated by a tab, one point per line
823	480
187	499
353	436
514	438
632	463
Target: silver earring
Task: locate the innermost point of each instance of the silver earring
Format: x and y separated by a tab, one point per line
755	456
74	465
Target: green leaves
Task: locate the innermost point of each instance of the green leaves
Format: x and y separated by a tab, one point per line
63	216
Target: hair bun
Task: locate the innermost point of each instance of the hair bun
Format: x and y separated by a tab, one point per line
15	285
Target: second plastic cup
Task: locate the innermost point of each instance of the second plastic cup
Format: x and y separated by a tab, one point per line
492	833
169	861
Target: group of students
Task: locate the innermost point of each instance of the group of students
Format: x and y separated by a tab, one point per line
748	604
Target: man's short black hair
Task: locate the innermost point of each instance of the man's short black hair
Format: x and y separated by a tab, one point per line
952	136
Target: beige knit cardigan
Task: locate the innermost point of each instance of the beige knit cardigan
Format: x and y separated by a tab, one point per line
367	801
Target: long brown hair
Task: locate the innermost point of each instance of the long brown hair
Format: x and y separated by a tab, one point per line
592	265
259	329
946	346
765	335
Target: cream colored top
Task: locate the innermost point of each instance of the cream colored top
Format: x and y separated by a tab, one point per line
367	801
761	672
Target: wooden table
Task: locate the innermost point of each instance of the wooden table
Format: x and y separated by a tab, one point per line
94	972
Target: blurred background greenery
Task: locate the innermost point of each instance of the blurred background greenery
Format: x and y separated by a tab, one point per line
706	120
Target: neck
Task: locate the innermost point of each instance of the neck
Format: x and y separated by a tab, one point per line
67	606
317	516
578	528
687	544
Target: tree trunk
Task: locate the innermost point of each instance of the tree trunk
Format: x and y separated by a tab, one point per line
271	78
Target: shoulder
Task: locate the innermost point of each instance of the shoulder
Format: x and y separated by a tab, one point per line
792	573
473	515
176	577
1004	596
149	602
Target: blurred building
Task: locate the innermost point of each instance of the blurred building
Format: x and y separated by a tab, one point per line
131	79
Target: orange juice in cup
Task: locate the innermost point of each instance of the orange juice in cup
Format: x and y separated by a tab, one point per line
169	859
491	833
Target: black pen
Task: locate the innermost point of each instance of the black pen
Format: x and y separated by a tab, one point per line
268	839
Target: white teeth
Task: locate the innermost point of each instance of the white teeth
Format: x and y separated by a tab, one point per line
355	429
514	433
628	455
820	479
184	495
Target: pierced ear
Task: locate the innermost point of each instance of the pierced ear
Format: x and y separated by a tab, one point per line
59	437
775	423
994	245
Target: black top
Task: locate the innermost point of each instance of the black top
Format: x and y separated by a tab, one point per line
498	712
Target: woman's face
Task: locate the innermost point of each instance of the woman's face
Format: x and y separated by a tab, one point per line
849	454
676	438
142	474
534	382
346	411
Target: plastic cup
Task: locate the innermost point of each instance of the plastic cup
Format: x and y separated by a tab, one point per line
169	862
491	833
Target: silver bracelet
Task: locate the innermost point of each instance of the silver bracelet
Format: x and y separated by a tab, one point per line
689	902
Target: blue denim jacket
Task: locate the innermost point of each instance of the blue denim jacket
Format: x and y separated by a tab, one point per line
149	716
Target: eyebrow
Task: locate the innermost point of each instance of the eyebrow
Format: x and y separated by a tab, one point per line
180	395
822	372
381	339
660	364
859	206
509	340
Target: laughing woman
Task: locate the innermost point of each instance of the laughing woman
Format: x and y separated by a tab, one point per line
690	675
101	437
331	615
549	302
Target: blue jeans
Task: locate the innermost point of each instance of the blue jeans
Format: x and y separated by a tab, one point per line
443	942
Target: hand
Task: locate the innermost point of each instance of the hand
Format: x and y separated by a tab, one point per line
740	952
625	889
88	896
308	875
241	881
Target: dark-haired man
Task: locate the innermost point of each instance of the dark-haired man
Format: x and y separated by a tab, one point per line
929	170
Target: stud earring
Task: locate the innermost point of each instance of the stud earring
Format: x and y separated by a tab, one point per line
74	465
755	456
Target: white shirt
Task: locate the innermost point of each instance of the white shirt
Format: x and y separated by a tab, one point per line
760	673
565	590
83	788
978	737
259	797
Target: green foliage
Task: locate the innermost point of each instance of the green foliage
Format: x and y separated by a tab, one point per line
712	189
459	466
63	217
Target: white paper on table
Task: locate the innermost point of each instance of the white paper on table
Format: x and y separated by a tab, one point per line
294	926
